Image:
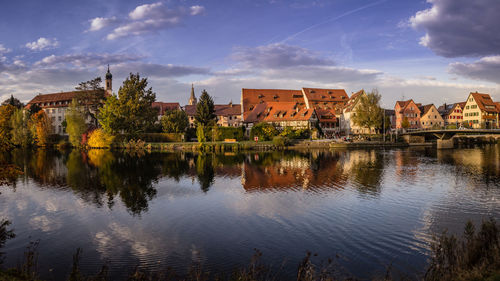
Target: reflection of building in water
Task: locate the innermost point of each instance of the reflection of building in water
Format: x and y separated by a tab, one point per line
406	165
292	172
484	161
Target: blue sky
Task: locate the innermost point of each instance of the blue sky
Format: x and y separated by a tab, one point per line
434	52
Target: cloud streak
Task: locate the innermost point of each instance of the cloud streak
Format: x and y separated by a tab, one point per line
42	44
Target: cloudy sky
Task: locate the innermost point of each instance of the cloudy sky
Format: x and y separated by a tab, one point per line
433	51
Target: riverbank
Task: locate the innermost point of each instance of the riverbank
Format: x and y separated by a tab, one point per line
269	145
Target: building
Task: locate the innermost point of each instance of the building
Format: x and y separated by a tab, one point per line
326	103
430	117
281	115
407	110
228	115
192	98
55	105
164	107
347	125
480	111
325	98
452	113
391	115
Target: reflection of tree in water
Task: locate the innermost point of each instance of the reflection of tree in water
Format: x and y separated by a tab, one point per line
367	170
127	176
205	171
175	165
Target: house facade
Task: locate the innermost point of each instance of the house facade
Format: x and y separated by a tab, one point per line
407	110
430	117
347	125
480	111
281	115
164	107
228	115
452	113
55	105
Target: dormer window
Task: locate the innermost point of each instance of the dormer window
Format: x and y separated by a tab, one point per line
312	91
275	96
261	96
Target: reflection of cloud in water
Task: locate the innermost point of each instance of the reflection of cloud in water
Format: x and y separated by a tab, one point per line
45	224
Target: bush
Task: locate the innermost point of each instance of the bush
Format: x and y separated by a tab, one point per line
100	139
294	134
281	141
264	131
222	133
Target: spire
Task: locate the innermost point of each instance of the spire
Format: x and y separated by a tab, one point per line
108	74
192	98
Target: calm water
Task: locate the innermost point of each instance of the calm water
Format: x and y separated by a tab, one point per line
371	207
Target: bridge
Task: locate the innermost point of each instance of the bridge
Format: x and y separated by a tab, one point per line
445	137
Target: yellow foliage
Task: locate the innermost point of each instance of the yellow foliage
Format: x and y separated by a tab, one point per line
100	157
100	139
42	128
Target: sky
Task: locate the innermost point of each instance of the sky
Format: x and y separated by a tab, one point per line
434	51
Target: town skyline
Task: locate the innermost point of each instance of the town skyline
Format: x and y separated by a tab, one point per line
272	44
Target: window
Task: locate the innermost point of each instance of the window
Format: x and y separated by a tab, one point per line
53	118
59	119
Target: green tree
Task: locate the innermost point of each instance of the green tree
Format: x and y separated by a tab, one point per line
34	108
91	85
13	101
21	133
6	112
174	121
405	124
75	123
130	111
369	114
205	110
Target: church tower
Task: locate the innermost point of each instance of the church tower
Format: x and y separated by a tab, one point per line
192	98
109	82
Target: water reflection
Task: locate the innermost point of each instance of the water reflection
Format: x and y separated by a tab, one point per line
157	209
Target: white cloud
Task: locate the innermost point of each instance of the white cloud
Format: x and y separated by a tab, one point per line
100	23
43	44
151	18
86	60
486	69
4	50
196	10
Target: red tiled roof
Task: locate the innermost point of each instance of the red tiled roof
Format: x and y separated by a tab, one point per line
326	115
404	104
164	106
61	99
484	102
325	98
424	109
227	109
251	97
220	109
352	101
278	111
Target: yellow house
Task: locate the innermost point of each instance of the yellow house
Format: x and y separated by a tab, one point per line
480	111
430	117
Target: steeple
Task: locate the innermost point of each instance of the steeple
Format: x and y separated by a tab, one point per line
192	98
109	82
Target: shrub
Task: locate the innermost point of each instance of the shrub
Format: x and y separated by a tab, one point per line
281	141
293	134
222	133
100	139
264	131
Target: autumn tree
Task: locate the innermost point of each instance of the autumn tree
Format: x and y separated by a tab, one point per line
13	101
131	111
369	114
41	128
75	123
21	133
6	112
405	124
34	108
174	121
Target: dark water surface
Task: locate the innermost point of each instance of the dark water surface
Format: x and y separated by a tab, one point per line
371	207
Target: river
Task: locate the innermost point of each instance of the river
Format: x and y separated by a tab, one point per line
368	209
